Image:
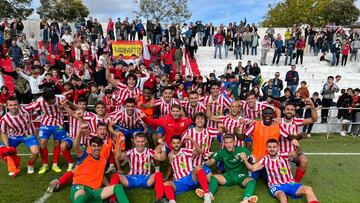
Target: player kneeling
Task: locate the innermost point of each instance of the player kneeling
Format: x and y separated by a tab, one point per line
280	180
140	160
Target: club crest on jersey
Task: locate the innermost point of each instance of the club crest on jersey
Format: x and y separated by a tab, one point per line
146	165
182	165
283	170
182	124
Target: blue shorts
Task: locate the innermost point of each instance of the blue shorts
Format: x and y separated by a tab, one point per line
160	130
29	141
256	174
289	189
220	166
57	131
68	140
136	181
127	132
248	139
186	183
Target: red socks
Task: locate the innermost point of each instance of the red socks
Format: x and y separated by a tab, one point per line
56	155
65	179
299	174
67	156
44	155
159	186
202	180
111	158
315	201
115	179
169	192
31	162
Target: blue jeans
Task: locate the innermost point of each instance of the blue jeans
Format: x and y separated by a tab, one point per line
292	88
289	52
54	48
277	54
216	48
211	40
333	59
254	51
238	52
226	50
246	45
157	38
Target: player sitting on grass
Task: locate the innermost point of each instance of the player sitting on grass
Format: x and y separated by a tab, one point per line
186	177
280	180
289	128
140	175
90	170
236	172
16	128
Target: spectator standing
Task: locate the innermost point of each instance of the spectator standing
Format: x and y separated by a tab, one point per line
278	86
210	30
254	43
15	54
278	44
335	50
344	103
317	104
328	94
290	46
237	43
33	44
266	45
292	79
355	46
218	41
345	52
300	46
110	29
54	39
228	43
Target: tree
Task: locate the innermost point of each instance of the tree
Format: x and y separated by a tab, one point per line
164	10
15	9
314	12
68	10
342	12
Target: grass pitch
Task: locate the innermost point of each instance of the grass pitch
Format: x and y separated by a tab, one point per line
334	178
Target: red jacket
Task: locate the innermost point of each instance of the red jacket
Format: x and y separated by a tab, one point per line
345	49
218	39
171	126
168	57
300	44
151	82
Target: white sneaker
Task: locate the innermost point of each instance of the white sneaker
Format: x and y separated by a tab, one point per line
70	167
110	169
172	201
308	135
345	121
207	198
11	173
30	169
343	133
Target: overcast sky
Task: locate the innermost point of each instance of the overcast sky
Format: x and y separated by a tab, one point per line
216	11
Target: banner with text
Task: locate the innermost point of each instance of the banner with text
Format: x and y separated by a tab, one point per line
127	49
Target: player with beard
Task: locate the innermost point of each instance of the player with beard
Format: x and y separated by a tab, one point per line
261	131
89	172
216	102
144	100
193	105
186	177
236	172
289	129
280	180
252	108
233	122
140	175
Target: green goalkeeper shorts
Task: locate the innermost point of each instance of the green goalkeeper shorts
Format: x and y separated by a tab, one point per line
91	195
234	178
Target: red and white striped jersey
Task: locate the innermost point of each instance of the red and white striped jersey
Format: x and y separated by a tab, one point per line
278	170
230	123
253	113
19	125
203	138
140	163
190	110
51	115
123	93
126	121
165	107
287	129
95	120
182	163
217	108
74	125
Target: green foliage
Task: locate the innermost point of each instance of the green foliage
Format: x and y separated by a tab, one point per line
15	9
68	10
342	12
163	10
313	12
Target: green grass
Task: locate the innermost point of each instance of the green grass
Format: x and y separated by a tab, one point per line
333	178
